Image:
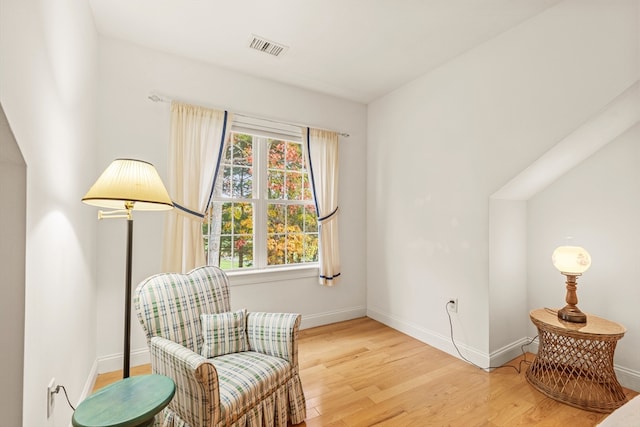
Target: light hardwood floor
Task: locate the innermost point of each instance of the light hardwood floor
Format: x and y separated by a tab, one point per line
362	373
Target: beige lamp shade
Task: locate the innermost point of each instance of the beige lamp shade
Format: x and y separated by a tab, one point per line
129	180
571	260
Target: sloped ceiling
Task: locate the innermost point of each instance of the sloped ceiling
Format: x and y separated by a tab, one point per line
354	49
612	121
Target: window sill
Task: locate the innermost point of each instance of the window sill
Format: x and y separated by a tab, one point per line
253	277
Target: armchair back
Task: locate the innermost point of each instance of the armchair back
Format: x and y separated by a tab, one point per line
169	305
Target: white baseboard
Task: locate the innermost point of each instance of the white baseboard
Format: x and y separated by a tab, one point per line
513	350
628	377
429	337
91	380
328	317
113	362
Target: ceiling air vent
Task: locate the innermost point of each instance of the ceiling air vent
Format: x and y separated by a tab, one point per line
267	46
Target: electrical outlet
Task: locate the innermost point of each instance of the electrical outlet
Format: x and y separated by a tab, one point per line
453	305
51	395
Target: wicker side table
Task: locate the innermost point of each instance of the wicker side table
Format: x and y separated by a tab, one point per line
574	364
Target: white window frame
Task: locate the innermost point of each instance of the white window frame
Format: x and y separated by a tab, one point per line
260	272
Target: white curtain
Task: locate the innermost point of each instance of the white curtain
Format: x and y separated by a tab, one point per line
198	136
321	148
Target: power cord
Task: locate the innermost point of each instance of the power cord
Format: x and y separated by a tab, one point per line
57	390
518	369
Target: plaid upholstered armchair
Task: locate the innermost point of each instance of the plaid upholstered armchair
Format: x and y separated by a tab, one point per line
230	368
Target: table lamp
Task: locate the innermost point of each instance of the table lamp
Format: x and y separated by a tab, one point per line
128	185
571	261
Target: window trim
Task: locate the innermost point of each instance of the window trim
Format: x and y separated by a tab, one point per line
280	273
260	202
266	128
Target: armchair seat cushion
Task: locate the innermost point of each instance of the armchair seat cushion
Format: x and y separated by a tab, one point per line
246	379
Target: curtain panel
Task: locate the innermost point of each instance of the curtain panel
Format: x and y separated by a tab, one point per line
321	150
198	136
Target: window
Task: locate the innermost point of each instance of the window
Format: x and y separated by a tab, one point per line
262	212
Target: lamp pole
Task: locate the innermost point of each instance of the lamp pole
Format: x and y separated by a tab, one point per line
127	295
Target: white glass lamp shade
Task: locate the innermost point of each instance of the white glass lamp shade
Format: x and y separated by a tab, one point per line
129	180
571	260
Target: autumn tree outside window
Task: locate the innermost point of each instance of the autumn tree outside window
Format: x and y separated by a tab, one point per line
262	212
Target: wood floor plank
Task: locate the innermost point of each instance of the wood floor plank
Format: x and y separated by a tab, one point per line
362	373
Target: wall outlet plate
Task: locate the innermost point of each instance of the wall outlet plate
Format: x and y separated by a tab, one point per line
51	396
453	305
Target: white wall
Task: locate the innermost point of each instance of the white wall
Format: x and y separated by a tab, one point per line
47	88
596	203
13	219
507	277
132	125
441	145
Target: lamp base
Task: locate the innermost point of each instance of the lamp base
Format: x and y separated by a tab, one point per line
572	314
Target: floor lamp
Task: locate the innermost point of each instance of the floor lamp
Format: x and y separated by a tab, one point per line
128	185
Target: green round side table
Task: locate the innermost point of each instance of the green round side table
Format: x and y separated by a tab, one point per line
131	402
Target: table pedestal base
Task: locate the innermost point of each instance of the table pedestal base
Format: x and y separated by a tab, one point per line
577	370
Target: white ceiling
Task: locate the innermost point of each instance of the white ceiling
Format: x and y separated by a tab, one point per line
354	49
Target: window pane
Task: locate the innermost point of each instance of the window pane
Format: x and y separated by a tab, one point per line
311	248
275	249
236	167
295	248
292	234
228	153
310	219
295	218
275	185
226	252
242	183
276	154
231	243
294	185
226	182
243	218
275	218
294	156
226	225
236	252
243	251
243	149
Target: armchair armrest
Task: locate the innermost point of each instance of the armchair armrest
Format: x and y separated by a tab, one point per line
275	334
197	397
